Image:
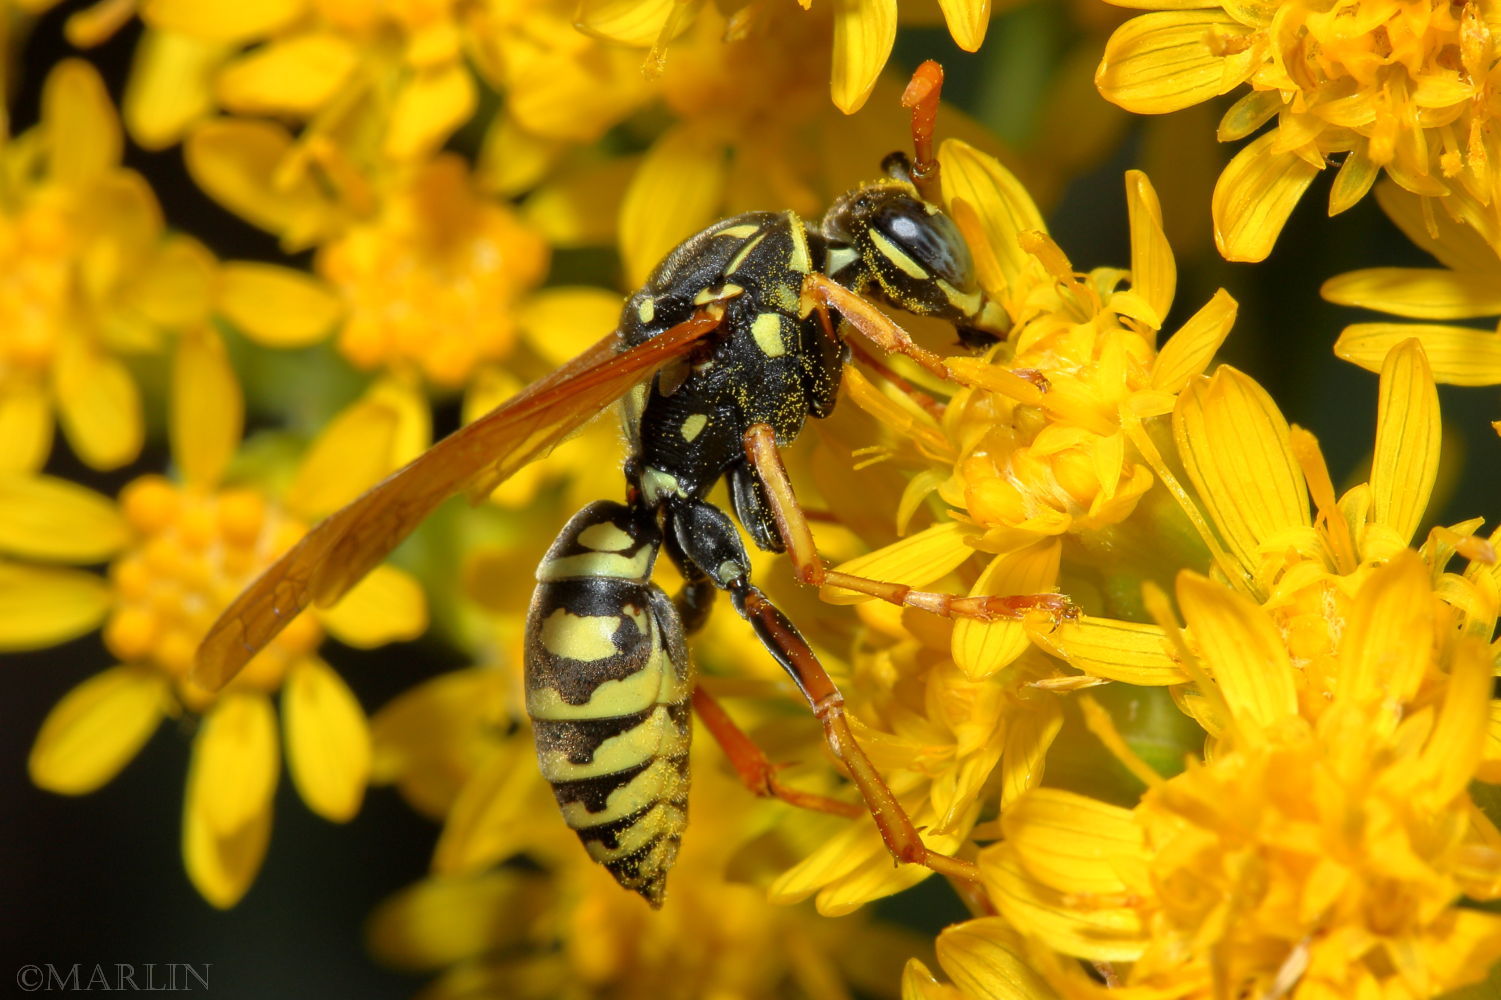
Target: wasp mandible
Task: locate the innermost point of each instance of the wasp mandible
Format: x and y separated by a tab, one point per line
739	335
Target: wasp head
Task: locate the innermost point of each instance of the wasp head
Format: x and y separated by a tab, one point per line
887	242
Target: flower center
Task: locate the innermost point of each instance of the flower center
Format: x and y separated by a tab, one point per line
433	282
195	552
38	251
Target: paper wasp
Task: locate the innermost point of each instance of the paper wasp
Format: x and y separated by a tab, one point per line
741	333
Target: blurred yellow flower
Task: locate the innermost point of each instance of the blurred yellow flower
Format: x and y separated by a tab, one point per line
88	274
178	553
863	33
1404	87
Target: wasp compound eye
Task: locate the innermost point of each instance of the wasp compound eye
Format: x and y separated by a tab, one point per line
929	240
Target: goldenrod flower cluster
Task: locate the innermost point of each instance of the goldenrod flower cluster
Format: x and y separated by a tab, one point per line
1254	754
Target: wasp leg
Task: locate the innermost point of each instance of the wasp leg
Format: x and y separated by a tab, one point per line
756	771
706	537
797	537
865	319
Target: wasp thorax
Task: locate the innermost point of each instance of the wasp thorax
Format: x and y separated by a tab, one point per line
902	249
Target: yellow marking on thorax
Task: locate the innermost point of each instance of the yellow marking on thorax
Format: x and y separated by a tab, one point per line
646	309
743	252
694	426
580	637
767	329
839	258
896	255
740	232
605	537
656	484
801	261
725	291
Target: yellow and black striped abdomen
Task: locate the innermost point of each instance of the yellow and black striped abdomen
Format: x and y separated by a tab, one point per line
608	683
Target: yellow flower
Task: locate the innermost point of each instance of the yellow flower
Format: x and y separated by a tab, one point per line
863	33
398	67
569	930
1324	848
1467	287
1041	442
178	553
87	274
1404	87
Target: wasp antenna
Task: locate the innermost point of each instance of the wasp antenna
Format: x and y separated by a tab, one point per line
921	96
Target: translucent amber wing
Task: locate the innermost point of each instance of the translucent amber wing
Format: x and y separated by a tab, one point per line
338	552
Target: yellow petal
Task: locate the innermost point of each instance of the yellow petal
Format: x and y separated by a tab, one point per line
1029	735
1094	931
176	289
235	763
353	452
83	133
1454	244
1354	180
1421	293
1002	203
982	648
293	77
1130	652
1458	355
328	740
221	20
1169	60
238	163
42	517
1255	195
221	866
1188	352
864	31
919	984
636	23
978	956
170	86
916	560
1073	843
100	408
1154	276
439	921
43	605
676	192
1233	441
1388	634
967	21
386	606
513	161
97	728
578	208
1408	435
487	823
207	408
1454	751
277	306
25	425
561	322
1241	649
467	705
427	110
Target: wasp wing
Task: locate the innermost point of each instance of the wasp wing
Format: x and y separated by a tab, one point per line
338	552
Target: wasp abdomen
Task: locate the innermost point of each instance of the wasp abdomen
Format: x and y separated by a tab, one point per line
608	683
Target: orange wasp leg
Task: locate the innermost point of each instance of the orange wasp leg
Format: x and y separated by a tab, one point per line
756	772
822	292
799	660
797	536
